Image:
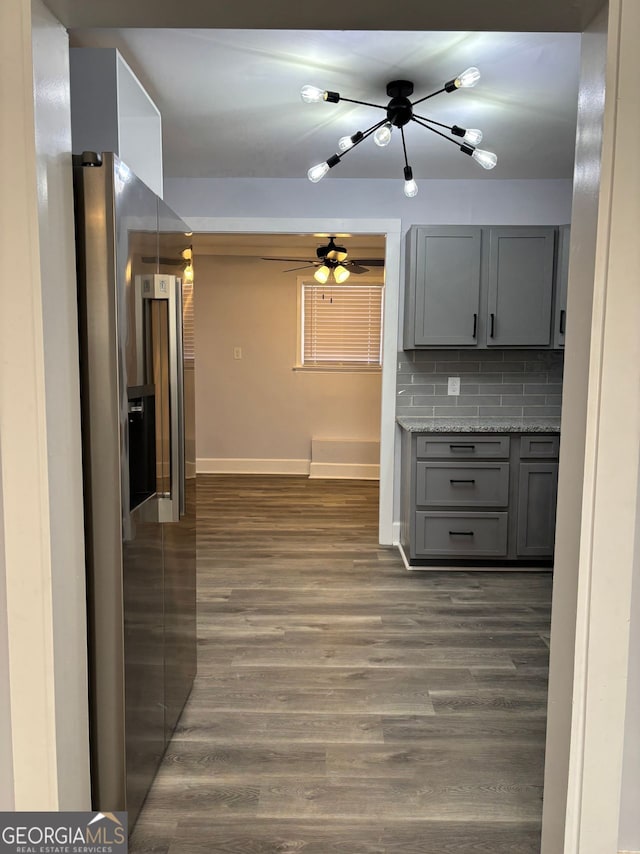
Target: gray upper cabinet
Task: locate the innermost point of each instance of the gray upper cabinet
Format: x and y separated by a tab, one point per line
443	286
520	286
560	320
480	286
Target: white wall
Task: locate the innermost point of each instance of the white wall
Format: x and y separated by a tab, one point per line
584	226
60	330
629	834
491	200
39	425
6	747
257	410
610	506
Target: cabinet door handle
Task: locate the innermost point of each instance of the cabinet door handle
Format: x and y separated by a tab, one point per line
563	317
462	447
468	480
493	325
475	325
461	533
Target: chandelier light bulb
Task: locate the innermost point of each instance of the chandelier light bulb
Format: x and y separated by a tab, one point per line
345	143
468	78
317	173
410	186
322	274
382	136
312	95
473	136
340	274
487	159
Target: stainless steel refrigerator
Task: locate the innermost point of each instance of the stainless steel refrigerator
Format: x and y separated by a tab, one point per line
139	471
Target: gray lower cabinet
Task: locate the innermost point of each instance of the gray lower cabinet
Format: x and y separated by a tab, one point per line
480	286
537	493
482	497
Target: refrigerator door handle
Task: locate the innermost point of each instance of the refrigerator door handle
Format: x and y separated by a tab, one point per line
180	427
167	287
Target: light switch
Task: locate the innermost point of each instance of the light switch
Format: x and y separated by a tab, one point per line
453	385
237	352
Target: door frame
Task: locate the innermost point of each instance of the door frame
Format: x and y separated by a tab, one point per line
391	229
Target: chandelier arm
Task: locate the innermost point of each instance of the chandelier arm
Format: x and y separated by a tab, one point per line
426	97
433	122
363	103
433	130
404	148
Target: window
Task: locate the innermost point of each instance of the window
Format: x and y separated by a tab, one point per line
341	325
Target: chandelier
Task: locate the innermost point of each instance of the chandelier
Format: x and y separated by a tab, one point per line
399	112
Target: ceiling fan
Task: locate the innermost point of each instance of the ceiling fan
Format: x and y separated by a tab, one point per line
333	259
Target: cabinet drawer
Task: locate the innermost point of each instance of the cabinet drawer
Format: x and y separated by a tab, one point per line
456	484
461	534
539	447
462	447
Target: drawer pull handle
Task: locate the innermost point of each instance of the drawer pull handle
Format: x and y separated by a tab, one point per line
467	480
462	447
461	533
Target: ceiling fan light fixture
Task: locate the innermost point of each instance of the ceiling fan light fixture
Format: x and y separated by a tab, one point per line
400	111
340	274
321	275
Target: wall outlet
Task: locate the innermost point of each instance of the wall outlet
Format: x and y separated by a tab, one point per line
453	386
237	352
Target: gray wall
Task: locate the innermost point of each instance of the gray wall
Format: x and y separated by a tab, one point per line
509	383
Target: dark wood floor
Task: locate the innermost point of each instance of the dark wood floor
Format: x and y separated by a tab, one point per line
344	705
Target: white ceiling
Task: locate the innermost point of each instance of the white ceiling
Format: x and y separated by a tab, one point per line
231	108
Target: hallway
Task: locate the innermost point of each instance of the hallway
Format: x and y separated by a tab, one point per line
343	704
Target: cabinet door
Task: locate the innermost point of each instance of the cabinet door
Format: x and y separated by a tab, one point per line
446	286
537	491
520	279
560	321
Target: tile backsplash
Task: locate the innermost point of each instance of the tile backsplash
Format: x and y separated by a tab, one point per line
492	382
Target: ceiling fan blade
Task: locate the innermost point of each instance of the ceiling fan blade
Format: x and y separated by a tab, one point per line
306	266
285	259
357	269
370	262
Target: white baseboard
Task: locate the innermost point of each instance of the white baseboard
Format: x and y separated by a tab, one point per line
208	465
635	851
359	471
396	534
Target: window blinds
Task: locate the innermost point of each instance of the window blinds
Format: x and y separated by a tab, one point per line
188	330
341	324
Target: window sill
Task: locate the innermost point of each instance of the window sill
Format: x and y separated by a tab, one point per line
337	369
